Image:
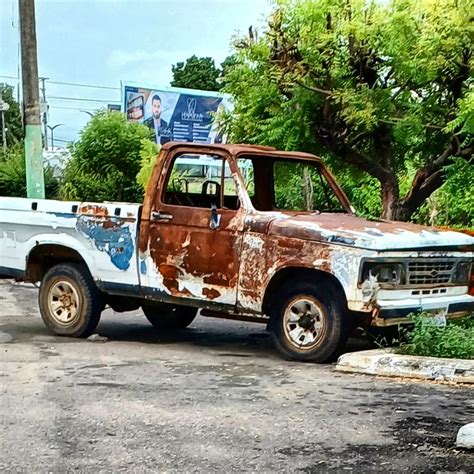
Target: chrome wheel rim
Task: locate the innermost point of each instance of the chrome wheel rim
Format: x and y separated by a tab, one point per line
64	303
304	322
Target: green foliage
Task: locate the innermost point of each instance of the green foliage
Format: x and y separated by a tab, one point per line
455	340
453	204
465	119
196	73
228	63
13	175
301	187
14	133
383	89
106	160
148	155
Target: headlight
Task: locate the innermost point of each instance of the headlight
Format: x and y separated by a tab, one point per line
461	272
392	273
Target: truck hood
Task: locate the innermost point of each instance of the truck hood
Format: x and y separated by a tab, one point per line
379	235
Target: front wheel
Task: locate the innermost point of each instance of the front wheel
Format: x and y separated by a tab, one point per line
165	317
69	301
307	322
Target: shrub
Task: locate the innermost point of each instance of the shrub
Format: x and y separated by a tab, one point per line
455	340
13	175
106	160
147	159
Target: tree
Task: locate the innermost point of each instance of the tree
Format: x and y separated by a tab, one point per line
384	88
106	159
227	65
196	73
14	133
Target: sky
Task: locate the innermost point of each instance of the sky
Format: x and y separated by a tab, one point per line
103	42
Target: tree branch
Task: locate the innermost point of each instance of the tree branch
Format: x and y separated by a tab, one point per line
319	91
395	121
432	176
357	159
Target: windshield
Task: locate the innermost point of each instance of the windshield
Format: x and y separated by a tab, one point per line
301	186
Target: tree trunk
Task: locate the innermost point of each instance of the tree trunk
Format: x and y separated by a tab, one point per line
390	198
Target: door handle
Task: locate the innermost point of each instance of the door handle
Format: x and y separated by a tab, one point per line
160	216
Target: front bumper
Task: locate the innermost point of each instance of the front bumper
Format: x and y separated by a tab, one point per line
390	312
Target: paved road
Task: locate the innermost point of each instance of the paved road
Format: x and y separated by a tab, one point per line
215	397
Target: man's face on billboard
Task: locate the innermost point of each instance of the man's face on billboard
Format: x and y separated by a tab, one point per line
156	109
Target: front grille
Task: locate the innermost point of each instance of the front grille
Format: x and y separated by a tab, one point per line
430	272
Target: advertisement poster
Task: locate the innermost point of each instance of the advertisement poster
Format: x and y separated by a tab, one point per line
184	115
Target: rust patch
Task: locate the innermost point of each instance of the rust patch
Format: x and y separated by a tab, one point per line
170	277
185	292
210	293
94	210
264	255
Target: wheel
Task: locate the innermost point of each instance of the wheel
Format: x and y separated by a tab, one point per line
166	317
69	301
307	322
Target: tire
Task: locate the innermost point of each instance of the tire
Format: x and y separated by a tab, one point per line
307	323
166	317
69	301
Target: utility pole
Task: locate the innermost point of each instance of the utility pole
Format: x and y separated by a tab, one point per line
45	110
31	103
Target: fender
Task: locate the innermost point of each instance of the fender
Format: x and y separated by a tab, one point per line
85	250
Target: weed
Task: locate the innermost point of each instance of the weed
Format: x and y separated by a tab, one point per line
427	338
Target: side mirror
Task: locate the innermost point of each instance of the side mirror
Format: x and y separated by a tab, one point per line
215	222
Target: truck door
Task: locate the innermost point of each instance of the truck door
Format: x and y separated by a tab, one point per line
195	231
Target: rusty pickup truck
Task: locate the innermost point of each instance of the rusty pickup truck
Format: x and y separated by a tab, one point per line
241	232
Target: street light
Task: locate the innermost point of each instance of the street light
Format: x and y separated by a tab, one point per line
87	112
52	133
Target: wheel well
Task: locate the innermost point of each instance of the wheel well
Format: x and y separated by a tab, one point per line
297	273
43	257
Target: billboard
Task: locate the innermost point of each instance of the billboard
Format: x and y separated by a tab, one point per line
184	115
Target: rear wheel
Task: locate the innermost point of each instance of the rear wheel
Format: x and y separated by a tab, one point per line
307	322
69	301
165	317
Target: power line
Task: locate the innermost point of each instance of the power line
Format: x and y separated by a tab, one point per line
85	85
62	140
83	100
75	84
70	108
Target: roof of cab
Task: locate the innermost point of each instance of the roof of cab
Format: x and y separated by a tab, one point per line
242	148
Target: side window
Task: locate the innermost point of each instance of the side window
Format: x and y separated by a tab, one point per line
196	180
300	186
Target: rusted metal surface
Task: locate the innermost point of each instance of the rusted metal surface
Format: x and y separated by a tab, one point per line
235	264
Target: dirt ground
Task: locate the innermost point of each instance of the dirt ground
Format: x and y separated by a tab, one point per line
215	397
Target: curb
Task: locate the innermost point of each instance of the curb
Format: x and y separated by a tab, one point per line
387	363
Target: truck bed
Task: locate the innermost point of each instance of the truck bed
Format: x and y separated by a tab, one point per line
104	234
